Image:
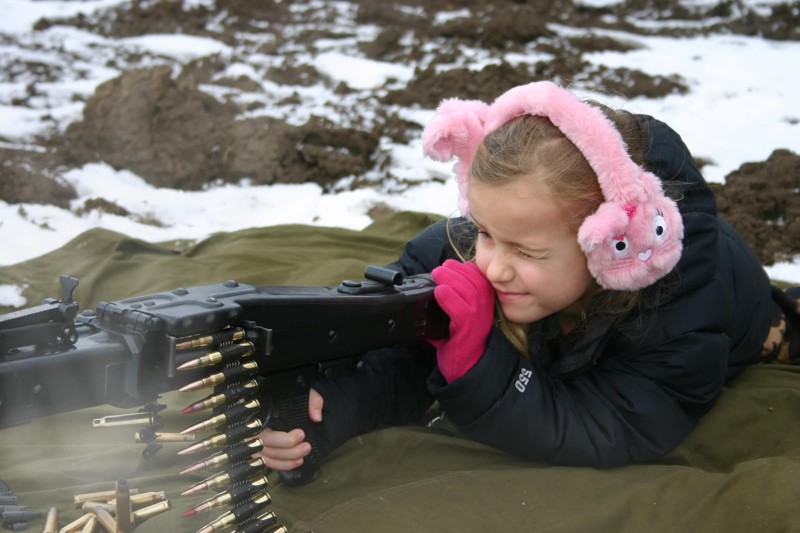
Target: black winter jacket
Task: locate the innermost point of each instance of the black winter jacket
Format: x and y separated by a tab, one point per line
618	393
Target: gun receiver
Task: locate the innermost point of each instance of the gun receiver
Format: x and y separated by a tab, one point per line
127	352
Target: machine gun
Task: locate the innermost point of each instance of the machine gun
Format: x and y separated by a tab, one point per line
281	338
125	353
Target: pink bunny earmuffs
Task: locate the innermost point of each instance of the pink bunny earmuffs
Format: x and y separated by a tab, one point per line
635	236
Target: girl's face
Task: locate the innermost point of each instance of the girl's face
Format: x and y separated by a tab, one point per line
528	251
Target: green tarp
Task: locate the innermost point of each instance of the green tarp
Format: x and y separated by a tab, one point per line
738	472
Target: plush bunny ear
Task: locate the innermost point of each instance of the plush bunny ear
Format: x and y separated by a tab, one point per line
456	131
635	237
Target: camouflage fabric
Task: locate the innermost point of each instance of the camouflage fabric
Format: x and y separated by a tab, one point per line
738	472
783	340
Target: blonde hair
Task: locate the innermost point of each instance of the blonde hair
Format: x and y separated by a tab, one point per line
529	142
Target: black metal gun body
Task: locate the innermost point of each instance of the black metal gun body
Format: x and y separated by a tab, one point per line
124	352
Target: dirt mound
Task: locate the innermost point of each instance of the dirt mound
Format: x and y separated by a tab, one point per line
162	123
28	176
176	136
762	201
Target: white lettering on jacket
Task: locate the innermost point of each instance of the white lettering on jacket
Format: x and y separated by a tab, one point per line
523	379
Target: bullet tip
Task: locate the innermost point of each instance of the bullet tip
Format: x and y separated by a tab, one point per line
190	512
193	468
187	451
192	490
187	410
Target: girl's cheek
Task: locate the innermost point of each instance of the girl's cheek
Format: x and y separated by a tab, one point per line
481	258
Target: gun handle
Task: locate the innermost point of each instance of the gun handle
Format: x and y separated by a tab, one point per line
293	413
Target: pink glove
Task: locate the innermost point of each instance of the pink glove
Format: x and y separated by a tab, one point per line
468	299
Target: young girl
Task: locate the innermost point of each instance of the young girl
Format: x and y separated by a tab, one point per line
598	304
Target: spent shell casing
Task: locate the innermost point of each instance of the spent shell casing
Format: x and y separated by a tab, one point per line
229	374
236	452
101	496
140	515
229	335
258	524
223	354
238	514
89	507
231	395
130	419
234	434
90	525
51	522
232	475
232	496
123	506
77	524
144	498
105	519
230	415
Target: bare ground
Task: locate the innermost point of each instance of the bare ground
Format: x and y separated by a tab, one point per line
162	126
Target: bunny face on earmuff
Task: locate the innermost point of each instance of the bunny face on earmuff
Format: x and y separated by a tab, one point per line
629	246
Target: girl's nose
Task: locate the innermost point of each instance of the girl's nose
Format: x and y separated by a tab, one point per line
499	269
